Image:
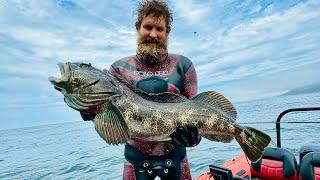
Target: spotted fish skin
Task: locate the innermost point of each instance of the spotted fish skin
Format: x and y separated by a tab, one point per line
156	121
124	113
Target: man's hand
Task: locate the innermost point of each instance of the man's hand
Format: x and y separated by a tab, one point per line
186	136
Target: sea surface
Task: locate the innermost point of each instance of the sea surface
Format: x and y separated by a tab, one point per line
75	151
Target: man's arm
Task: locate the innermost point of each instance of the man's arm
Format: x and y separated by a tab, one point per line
190	82
188	136
114	70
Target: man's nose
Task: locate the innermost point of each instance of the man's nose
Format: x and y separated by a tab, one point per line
153	34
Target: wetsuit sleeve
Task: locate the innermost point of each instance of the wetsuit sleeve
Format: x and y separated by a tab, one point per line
190	82
114	70
117	71
187	136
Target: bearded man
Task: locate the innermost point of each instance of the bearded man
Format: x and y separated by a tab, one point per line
153	70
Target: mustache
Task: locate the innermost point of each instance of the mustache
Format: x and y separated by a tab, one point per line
150	40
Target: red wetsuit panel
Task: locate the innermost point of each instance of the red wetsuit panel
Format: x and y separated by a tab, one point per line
316	173
190	86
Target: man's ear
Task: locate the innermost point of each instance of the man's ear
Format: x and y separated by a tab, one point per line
138	24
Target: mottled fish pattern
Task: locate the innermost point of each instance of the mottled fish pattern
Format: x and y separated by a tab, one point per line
123	112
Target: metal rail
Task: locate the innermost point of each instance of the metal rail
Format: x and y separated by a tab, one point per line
288	111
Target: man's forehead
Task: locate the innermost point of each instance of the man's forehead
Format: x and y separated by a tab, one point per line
154	20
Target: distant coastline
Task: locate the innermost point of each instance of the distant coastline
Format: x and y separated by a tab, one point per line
312	88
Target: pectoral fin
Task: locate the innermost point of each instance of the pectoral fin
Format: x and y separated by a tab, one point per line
110	125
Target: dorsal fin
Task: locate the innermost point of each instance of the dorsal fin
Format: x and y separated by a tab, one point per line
216	100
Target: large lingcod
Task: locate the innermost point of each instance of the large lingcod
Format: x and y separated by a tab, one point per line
124	112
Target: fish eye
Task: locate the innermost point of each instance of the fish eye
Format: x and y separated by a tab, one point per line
84	65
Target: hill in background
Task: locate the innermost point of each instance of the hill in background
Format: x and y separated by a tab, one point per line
312	88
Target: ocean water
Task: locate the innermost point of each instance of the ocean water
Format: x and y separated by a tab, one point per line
75	151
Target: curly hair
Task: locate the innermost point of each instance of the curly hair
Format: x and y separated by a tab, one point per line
156	8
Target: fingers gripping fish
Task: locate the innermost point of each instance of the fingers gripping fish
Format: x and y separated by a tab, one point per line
123	113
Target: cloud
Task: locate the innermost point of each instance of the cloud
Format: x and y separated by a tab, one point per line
234	44
51	37
256	40
35	35
262	44
190	10
267	85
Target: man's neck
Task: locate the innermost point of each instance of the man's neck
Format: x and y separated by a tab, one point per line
150	60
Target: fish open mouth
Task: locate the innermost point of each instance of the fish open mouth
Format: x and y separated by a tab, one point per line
65	72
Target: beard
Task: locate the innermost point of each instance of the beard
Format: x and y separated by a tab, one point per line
151	54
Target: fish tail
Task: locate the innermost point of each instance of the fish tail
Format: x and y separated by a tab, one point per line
253	142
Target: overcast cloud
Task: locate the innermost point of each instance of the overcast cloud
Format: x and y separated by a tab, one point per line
242	49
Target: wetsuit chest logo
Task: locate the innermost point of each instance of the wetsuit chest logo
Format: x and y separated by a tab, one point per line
147	74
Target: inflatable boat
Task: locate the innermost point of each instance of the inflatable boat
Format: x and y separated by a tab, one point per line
277	163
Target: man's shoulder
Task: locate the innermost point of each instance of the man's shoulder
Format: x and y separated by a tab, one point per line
182	60
124	60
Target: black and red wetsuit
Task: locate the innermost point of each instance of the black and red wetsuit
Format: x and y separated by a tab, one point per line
179	74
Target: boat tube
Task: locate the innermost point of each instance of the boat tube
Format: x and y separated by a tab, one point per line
276	163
